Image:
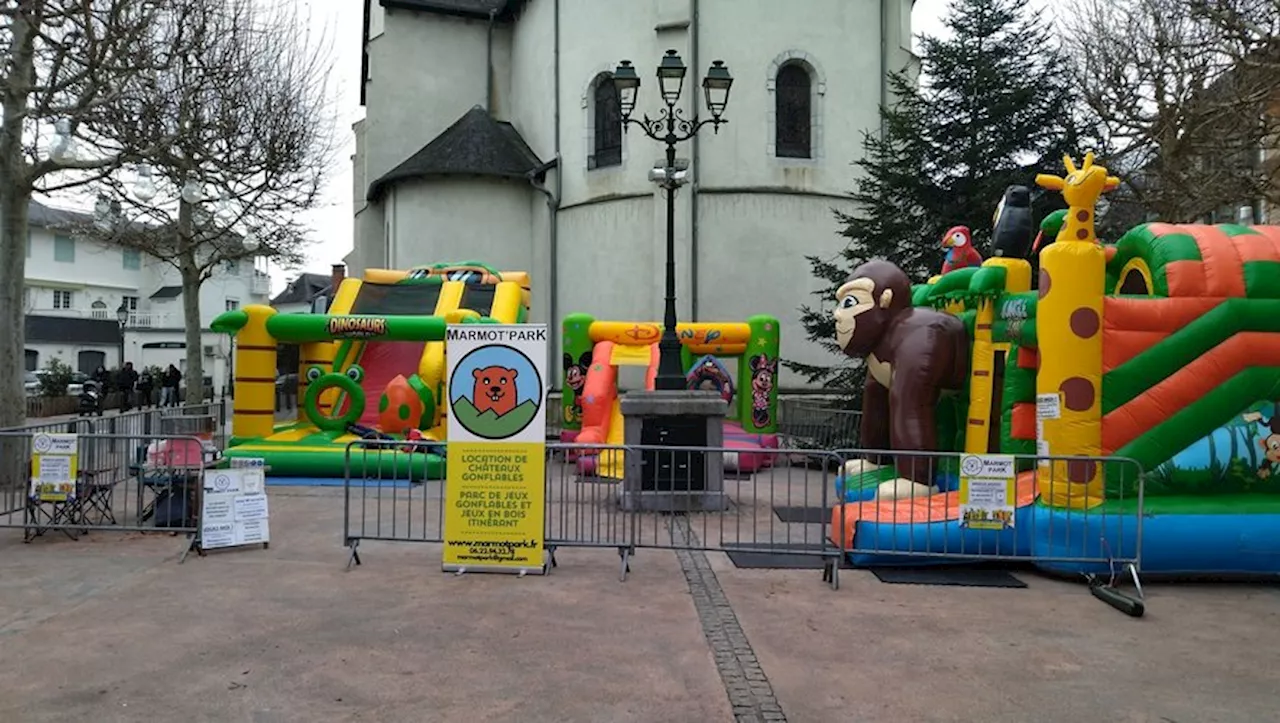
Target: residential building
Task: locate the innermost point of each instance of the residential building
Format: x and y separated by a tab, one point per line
491	132
306	293
75	286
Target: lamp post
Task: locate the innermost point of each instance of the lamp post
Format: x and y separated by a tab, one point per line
122	317
670	128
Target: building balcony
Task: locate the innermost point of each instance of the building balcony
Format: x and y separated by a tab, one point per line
154	320
260	285
75	313
137	319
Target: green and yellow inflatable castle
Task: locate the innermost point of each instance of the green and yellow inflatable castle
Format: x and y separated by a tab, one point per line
373	367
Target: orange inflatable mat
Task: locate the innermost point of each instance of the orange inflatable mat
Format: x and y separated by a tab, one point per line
942	507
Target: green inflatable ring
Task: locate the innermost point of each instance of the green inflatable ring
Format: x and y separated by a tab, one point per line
355	404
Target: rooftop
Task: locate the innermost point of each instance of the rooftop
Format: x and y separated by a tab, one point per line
476	144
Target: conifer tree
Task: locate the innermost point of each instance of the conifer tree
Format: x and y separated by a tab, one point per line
993	107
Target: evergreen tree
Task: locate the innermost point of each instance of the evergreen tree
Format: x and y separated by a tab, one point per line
993	108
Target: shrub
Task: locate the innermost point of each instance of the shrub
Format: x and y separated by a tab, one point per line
56	377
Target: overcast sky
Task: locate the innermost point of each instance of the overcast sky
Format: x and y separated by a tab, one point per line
342	19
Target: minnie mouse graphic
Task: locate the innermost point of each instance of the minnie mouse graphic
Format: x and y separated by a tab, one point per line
763	372
575	377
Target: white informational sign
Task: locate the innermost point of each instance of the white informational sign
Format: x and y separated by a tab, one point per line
988	491
1049	406
234	508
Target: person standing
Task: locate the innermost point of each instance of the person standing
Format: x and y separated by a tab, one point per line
171	383
146	387
128	379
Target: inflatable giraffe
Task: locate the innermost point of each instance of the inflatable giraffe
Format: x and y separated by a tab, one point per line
1069	326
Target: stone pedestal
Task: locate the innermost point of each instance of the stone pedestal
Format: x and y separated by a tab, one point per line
658	480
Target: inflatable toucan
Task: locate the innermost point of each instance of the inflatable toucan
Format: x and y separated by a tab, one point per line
1049	229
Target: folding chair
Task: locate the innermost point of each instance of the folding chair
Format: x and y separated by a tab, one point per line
44	515
96	498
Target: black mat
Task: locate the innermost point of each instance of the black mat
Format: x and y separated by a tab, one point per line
804	515
777	558
957	576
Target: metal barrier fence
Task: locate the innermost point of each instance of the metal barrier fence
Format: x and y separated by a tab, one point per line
117	482
779	509
139	422
817	423
1079	531
680	498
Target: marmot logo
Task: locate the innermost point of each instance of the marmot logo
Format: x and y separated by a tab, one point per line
355	326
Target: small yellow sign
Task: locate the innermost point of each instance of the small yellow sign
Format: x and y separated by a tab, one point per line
988	489
494	505
54	463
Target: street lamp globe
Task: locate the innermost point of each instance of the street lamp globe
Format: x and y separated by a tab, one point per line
627	83
192	192
715	86
122	314
249	241
144	187
671	77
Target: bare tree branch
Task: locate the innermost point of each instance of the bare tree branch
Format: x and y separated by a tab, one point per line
68	60
245	115
1187	102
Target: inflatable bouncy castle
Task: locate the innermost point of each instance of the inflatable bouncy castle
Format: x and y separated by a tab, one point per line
372	368
1138	378
594	350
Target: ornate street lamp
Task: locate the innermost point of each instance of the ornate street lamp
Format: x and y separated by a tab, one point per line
122	317
670	128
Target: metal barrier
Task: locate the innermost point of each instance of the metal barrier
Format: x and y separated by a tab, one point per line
136	422
694	505
817	423
117	482
681	498
1071	534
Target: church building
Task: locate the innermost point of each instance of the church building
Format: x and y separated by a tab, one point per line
492	132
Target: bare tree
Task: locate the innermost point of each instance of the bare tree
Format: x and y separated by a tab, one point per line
1188	116
66	64
249	109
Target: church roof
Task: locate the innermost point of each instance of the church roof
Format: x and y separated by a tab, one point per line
475	145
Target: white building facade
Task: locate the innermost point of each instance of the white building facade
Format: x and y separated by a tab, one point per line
491	133
75	286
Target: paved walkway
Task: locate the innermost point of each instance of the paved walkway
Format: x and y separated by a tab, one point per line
111	628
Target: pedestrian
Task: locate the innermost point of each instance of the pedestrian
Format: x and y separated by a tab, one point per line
126	380
169	391
103	379
146	387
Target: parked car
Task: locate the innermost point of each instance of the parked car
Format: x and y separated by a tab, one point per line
31	383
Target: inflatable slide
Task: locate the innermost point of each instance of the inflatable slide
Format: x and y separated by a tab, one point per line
372	367
593	350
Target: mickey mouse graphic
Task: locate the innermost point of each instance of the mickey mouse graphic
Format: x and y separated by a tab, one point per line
575	377
1269	440
763	370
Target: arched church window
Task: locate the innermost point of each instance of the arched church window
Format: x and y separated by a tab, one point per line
606	125
794	112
